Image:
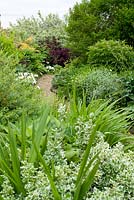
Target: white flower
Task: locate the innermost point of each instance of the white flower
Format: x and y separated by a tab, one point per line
28	77
50	68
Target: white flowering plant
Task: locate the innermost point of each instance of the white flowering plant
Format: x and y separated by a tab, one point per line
27	77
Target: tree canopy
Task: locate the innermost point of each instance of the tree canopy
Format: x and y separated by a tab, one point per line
91	21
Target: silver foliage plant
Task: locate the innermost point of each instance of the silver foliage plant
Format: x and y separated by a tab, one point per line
40	28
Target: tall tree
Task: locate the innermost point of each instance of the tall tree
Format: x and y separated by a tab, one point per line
94	20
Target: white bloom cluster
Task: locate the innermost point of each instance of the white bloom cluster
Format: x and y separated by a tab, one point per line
28	77
50	68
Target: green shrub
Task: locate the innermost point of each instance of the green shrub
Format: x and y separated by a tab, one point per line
7	44
127	78
106	85
15	94
63	81
114	55
100	84
94	83
94	20
31	61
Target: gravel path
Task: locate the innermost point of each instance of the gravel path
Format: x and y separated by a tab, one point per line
45	84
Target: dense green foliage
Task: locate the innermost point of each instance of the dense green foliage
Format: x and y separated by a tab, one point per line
128	82
63	81
95	84
114	55
8	46
91	21
15	94
32	61
69	159
81	146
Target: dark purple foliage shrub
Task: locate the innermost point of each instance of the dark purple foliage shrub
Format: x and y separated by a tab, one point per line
57	54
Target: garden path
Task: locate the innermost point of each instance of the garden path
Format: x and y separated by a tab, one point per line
45	84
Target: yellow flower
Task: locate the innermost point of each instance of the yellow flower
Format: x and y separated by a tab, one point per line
24	46
29	40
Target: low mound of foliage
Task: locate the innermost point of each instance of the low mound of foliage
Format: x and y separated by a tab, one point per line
111	54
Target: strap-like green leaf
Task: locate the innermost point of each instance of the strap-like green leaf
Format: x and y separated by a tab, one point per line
88	181
46	169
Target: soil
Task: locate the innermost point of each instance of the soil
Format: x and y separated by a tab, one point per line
45	84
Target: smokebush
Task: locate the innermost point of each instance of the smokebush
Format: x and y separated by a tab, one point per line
57	54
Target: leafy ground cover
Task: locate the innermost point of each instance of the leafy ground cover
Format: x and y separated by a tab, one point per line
65	155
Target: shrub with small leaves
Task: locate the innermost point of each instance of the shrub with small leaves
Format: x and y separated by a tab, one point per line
114	55
94	83
115	177
100	84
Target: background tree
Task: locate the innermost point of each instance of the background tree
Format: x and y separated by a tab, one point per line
94	20
39	28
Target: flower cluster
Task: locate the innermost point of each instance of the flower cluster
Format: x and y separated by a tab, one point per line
28	77
26	45
50	68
